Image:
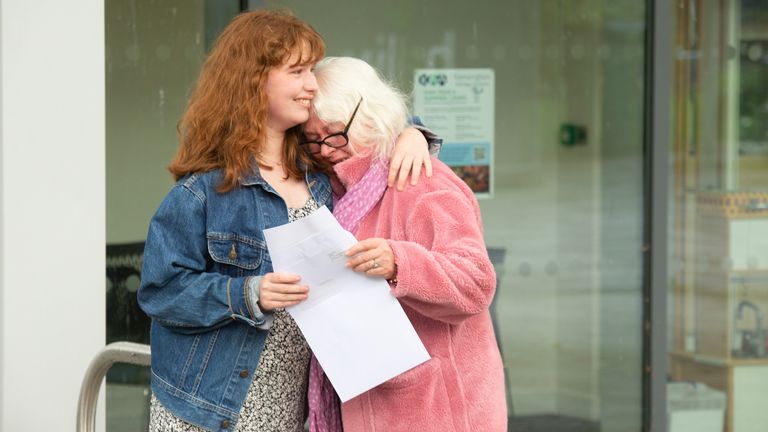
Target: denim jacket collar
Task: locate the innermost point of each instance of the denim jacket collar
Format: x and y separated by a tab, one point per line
255	178
318	189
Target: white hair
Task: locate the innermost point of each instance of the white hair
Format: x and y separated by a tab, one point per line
383	112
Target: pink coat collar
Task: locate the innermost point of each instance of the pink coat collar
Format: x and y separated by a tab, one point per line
352	170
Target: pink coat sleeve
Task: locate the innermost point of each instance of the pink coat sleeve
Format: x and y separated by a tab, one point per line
443	269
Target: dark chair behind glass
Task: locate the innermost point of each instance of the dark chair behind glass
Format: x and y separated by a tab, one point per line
128	391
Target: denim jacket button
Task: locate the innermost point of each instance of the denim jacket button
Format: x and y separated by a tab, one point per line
225	424
244	373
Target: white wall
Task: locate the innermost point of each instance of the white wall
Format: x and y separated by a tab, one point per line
52	199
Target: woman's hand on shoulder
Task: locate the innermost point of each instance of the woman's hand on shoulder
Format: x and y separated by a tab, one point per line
279	290
373	257
411	153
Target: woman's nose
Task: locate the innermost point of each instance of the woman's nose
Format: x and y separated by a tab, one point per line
310	82
326	150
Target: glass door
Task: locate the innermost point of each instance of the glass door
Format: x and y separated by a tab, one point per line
718	344
557	165
551	141
154	51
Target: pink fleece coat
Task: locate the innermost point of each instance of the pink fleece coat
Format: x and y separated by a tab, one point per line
445	285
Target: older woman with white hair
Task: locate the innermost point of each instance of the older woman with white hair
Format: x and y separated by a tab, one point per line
427	242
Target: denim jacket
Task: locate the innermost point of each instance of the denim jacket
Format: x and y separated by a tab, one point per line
201	249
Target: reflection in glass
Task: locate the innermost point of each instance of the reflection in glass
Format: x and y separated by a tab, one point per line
719	266
153	53
567	219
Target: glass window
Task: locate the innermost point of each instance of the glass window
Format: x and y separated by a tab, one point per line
564	216
719	217
559	179
154	51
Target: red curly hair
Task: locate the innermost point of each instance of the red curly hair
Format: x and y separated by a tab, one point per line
224	125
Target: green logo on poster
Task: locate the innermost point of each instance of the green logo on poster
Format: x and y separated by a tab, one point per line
433	79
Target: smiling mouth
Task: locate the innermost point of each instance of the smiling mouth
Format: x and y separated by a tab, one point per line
304	102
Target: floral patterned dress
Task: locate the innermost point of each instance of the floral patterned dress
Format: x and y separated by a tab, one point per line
277	398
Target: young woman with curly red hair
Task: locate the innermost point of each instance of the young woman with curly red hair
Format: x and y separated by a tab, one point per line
225	354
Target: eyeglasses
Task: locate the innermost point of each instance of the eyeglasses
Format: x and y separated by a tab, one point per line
334	140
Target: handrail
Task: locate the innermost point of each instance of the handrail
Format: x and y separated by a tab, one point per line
116	352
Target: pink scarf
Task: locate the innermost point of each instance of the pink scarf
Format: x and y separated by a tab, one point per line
324	403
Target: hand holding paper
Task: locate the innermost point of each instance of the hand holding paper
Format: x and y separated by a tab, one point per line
356	328
373	257
279	290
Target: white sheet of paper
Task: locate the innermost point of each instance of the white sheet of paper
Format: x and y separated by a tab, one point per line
356	328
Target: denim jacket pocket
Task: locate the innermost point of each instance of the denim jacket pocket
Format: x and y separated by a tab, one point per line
235	253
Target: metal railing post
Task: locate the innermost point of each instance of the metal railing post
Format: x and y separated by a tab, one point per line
117	352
